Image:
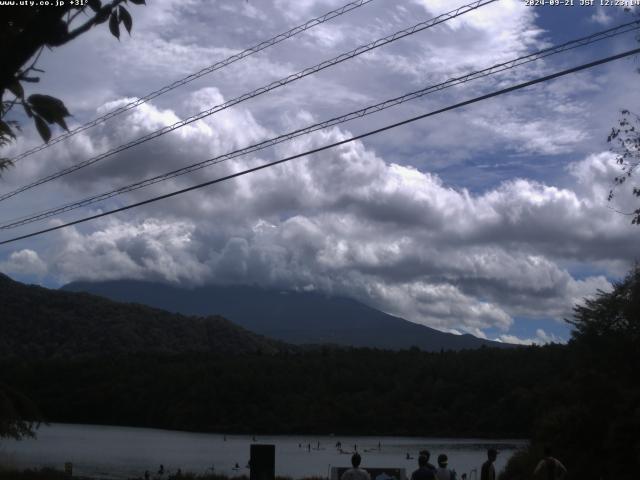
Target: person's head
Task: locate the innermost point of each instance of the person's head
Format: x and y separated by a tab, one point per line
492	454
356	459
422	461
442	460
547	451
425	453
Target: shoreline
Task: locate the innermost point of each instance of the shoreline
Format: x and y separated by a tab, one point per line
470	439
54	474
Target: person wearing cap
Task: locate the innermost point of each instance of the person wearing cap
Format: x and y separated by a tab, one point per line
552	467
488	471
443	472
423	472
356	473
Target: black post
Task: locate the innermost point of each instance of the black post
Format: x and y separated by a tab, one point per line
263	462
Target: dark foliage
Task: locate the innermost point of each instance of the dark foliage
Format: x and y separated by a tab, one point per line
485	392
36	474
594	427
39	323
611	317
625	141
19	416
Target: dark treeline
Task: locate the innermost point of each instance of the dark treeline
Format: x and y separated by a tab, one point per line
487	392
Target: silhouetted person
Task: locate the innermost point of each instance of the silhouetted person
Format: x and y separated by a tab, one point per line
146	475
423	472
355	473
161	470
427	454
409	457
443	472
549	467
488	471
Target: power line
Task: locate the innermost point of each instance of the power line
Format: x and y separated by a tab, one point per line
570	45
336	144
194	76
272	86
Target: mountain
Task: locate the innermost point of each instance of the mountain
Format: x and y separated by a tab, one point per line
36	322
291	316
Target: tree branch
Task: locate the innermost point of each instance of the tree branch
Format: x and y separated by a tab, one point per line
91	22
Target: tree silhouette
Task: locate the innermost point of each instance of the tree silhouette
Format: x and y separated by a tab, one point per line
25	31
625	140
625	143
18	414
611	314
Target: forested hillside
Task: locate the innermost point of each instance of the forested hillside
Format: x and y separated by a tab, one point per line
37	322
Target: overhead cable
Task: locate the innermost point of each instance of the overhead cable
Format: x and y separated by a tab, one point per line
583	41
332	145
205	71
272	86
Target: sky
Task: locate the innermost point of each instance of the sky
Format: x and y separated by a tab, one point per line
490	219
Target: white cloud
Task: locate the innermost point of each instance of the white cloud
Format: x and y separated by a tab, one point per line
541	338
348	222
149	249
24	262
601	17
361	220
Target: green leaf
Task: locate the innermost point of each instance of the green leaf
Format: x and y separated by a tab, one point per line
95	5
138	2
113	25
62	123
16	89
43	128
49	108
5	163
102	15
125	18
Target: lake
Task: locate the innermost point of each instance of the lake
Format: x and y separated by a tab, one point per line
123	452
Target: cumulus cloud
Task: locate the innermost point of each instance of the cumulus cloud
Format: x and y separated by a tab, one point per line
24	262
150	249
348	222
541	338
601	17
365	220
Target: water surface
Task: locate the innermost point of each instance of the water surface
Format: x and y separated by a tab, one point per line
123	452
